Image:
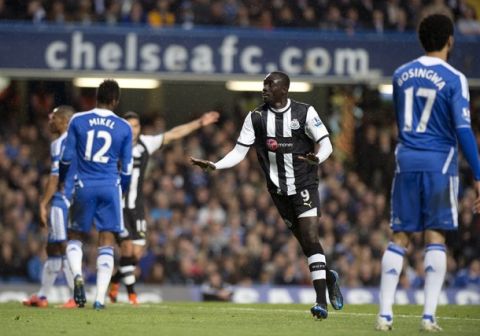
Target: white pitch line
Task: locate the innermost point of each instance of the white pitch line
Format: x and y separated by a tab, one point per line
341	313
229	308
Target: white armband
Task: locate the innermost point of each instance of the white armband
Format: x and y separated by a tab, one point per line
234	157
324	150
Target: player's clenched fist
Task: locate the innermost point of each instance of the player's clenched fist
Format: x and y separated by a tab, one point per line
204	164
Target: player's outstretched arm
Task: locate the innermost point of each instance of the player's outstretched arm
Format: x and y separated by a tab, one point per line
204	164
183	130
237	154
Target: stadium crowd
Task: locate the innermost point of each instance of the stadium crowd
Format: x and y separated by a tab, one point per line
344	15
225	222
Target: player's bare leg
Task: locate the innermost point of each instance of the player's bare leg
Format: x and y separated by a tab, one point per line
306	232
392	263
138	251
435	264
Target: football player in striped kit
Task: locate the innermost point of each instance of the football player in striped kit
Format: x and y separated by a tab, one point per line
291	141
132	239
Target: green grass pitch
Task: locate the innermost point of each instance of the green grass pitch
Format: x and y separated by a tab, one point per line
225	319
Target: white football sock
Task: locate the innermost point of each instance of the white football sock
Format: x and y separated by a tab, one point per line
128	273
435	268
317	266
67	271
392	263
74	256
51	268
104	271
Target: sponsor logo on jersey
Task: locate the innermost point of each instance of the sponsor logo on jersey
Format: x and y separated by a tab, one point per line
272	145
317	122
282	147
294	125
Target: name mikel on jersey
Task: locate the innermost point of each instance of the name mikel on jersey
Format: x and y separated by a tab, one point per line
102	122
421	73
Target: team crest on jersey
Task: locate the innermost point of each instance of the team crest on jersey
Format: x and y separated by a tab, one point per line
294	125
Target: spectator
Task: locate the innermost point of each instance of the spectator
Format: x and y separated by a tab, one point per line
351	16
112	13
217	14
333	19
5	13
469	277
35	12
161	16
468	23
214	289
136	16
378	21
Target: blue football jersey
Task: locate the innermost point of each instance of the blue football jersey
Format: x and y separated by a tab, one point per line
56	149
431	101
99	140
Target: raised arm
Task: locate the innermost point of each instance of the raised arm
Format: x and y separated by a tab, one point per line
183	130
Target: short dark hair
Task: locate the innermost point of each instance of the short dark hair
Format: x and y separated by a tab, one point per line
283	77
108	91
434	31
131	115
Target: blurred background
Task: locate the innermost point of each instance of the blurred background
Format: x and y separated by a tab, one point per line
179	58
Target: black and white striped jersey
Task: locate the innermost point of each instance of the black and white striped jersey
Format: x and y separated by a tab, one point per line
279	137
145	146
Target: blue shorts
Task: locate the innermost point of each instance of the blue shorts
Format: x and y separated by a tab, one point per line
424	201
58	218
97	204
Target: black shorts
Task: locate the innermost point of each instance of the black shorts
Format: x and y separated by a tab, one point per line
292	206
135	227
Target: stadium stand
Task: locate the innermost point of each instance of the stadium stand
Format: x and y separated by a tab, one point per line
346	15
201	224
